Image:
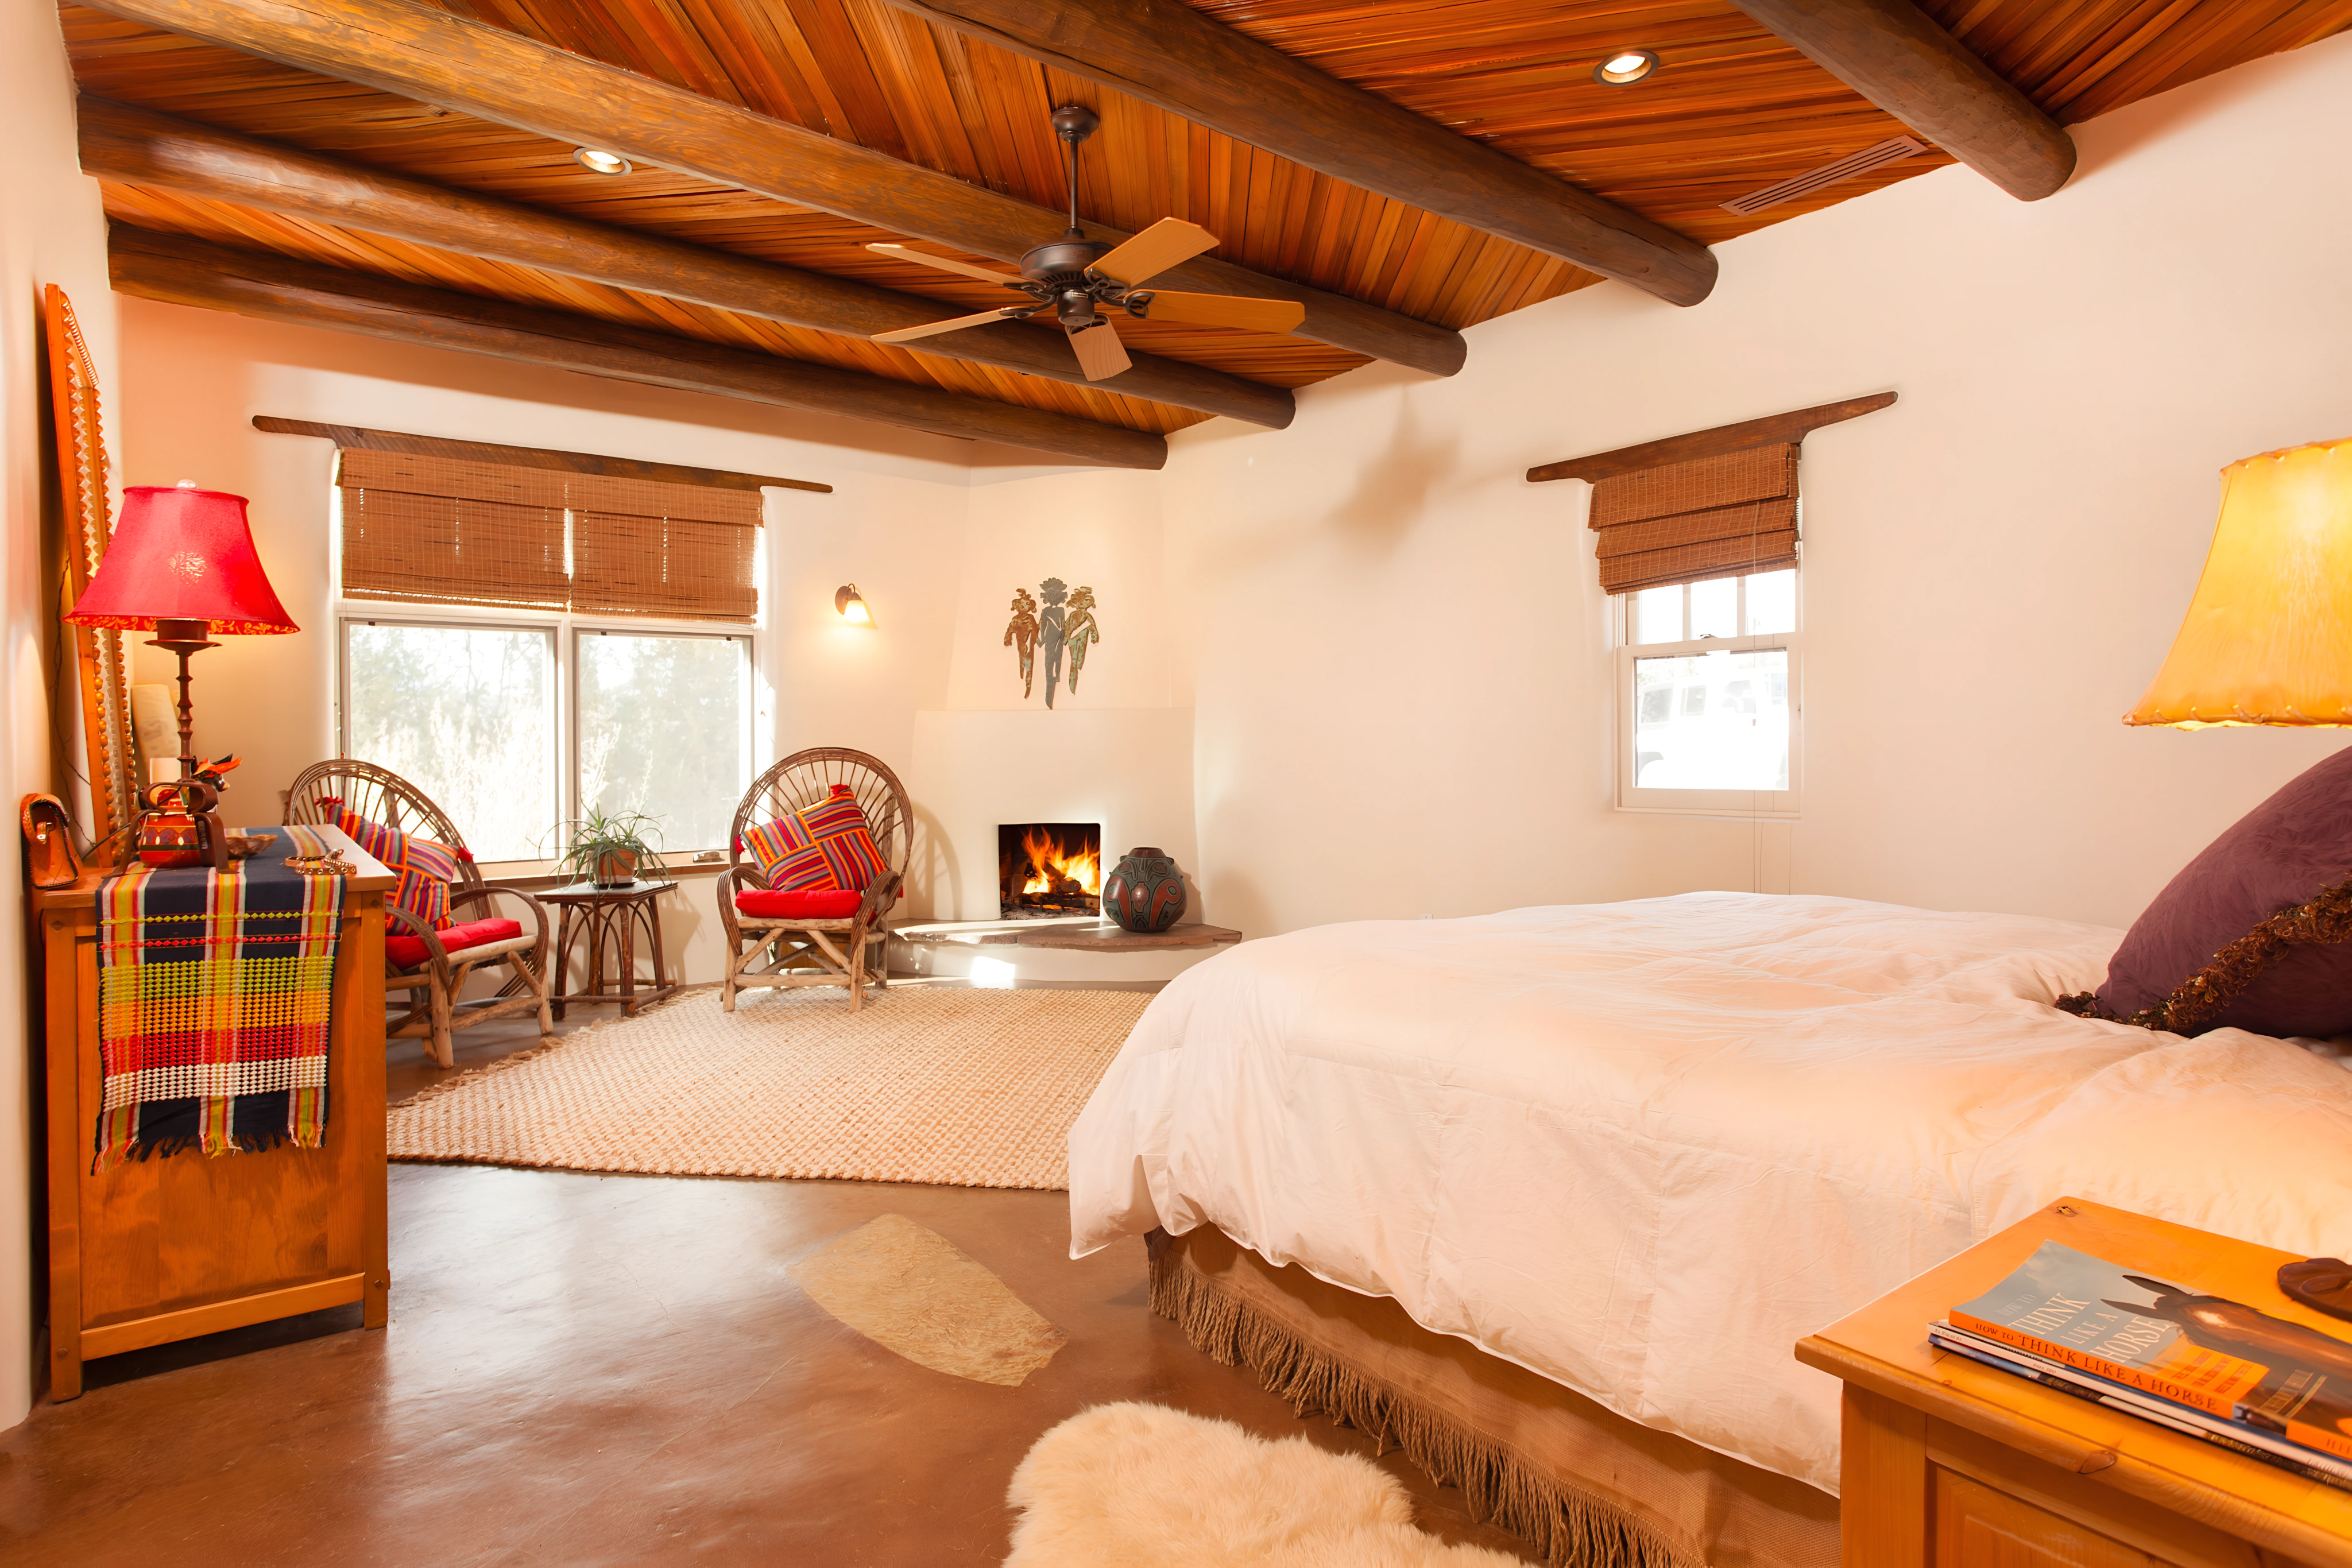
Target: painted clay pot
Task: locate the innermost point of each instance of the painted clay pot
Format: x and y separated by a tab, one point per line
1146	891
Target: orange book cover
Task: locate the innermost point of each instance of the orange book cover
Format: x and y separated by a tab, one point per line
2207	1352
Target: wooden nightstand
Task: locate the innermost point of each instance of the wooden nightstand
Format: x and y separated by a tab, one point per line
1948	1464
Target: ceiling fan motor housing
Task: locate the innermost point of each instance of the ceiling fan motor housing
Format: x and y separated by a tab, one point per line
1063	262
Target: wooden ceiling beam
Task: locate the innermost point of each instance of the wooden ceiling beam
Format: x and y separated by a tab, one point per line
184	271
139	147
1166	54
435	56
1897	57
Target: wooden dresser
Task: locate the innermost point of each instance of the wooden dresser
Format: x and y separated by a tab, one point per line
161	1249
1951	1464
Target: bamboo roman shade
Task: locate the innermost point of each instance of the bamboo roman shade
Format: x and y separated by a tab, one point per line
1720	516
446	531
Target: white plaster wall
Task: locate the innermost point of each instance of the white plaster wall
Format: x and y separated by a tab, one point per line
1116	751
1400	655
51	231
1092	528
894	525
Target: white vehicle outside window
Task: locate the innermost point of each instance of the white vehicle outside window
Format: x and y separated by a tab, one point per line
1708	696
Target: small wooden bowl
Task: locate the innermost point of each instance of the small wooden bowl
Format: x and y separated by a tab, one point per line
243	846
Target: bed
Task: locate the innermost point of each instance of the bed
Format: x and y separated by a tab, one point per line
1547	1195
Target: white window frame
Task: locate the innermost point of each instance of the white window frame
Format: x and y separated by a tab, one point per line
1779	804
563	632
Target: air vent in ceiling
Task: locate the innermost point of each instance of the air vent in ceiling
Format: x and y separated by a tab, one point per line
1892	151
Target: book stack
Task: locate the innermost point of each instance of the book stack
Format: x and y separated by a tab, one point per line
2205	1365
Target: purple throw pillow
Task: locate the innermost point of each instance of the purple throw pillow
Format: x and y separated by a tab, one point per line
2278	855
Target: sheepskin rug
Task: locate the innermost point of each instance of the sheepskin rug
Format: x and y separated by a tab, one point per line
1140	1486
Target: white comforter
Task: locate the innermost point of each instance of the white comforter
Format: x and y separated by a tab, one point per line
1642	1148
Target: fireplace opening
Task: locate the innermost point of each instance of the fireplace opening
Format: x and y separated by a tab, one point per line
1047	871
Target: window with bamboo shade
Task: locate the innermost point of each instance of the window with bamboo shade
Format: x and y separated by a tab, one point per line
444	530
1701	555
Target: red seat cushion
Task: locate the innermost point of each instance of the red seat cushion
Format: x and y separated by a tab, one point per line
803	903
407	952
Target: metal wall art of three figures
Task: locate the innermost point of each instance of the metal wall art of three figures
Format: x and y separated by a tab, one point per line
1056	621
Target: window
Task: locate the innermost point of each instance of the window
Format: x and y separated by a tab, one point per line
530	645
664	730
513	728
1705	670
466	714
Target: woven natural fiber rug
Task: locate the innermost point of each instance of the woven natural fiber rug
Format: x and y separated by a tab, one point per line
958	1088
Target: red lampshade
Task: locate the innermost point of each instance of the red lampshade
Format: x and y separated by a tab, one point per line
181	554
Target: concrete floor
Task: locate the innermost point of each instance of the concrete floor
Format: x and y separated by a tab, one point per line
608	1370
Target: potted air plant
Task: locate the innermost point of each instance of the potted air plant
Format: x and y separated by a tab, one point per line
608	849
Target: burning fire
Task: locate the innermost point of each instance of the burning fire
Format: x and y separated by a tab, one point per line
1051	865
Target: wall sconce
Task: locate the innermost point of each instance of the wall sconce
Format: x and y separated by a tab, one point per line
851	608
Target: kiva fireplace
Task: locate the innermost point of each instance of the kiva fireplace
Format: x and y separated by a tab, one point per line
1047	871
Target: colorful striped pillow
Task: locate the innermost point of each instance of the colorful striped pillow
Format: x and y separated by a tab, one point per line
825	845
425	866
772	843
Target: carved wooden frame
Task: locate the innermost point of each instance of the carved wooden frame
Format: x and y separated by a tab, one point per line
101	656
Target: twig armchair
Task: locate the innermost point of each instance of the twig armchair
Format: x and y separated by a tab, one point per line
803	950
440	975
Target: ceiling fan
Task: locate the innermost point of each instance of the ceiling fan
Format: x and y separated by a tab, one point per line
1078	278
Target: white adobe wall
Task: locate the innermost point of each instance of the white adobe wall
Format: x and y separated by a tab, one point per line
1116	751
1399	654
51	231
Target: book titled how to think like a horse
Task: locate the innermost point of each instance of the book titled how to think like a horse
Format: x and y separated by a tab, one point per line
2200	1352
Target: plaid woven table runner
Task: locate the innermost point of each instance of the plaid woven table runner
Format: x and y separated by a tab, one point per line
213	1003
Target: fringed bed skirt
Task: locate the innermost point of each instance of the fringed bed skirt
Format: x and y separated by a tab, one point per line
1584	1486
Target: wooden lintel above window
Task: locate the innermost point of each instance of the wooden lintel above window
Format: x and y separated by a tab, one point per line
1772	430
531	456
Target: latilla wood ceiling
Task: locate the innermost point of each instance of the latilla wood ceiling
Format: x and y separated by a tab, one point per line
1731	110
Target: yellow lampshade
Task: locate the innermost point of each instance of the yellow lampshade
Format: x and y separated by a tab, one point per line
2268	638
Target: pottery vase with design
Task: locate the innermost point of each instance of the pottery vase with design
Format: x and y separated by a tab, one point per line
1145	892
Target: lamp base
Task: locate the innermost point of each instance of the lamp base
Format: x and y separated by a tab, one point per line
185	638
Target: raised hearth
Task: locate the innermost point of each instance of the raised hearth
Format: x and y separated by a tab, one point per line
1048	871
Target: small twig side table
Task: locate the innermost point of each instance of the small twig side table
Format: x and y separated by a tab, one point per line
610	917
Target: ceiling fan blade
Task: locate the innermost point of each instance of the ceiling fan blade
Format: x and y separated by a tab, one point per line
1100	353
1224	310
954	324
1155	250
945	264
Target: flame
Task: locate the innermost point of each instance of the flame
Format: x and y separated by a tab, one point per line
1055	866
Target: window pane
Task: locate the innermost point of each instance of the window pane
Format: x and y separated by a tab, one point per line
466	715
662	731
1772	602
1729	731
1658	615
1715	608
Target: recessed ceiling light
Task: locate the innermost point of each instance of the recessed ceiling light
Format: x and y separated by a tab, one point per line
598	162
1626	66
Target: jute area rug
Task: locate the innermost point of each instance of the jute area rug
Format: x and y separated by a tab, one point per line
1141	1486
958	1088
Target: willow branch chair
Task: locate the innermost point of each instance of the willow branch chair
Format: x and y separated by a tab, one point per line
382	796
799	950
